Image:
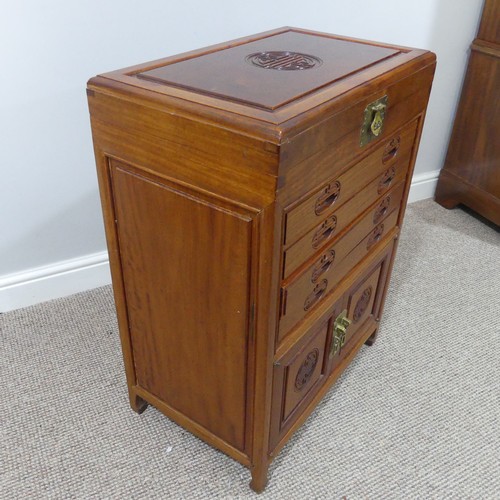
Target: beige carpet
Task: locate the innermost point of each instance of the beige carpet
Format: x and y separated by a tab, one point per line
415	416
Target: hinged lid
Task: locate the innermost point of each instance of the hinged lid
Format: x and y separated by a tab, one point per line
260	84
270	72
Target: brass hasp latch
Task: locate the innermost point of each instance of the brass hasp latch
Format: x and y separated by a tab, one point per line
340	326
373	120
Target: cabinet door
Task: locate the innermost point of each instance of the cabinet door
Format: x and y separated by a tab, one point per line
360	314
297	377
186	271
321	354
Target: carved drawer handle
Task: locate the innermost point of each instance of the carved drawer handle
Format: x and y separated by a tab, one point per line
391	150
387	179
325	231
375	236
381	210
315	295
327	198
323	265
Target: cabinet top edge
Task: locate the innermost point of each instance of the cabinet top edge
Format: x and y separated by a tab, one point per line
245	107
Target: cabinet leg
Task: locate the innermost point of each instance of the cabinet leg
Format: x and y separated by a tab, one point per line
448	203
137	403
259	478
371	339
447	190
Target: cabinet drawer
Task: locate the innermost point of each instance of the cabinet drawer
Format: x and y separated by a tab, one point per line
322	235
311	287
328	231
331	196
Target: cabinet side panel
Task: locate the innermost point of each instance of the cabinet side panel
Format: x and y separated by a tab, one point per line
474	151
186	274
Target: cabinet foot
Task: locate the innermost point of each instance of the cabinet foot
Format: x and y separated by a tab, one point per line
448	203
259	479
447	189
137	403
371	339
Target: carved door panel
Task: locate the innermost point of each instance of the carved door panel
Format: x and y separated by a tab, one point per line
297	376
360	310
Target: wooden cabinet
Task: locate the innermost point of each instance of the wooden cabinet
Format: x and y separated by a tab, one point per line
471	173
253	194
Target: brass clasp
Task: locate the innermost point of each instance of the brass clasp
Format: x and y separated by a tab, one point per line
340	326
373	121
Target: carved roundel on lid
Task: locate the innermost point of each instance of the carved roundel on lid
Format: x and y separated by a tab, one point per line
306	370
283	60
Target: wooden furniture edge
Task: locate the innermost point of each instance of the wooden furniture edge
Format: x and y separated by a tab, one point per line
274	127
192	426
453	190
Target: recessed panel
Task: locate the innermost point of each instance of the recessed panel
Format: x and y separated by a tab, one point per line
272	71
185	265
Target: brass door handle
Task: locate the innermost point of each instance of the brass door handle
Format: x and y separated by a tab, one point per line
340	326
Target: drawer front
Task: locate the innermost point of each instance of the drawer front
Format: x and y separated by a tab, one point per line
313	286
331	196
324	233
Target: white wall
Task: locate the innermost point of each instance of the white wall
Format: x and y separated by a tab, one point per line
52	241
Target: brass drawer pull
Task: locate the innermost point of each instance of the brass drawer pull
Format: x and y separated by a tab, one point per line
325	231
391	150
323	265
339	333
387	179
327	198
376	236
315	295
381	210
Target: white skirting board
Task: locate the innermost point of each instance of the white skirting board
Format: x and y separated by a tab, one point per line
53	281
423	186
91	271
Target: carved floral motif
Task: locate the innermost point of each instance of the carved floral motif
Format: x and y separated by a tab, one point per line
362	304
306	370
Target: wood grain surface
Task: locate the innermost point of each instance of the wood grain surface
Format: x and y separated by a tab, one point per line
471	171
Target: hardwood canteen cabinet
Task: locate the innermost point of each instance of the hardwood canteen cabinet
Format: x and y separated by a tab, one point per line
253	193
